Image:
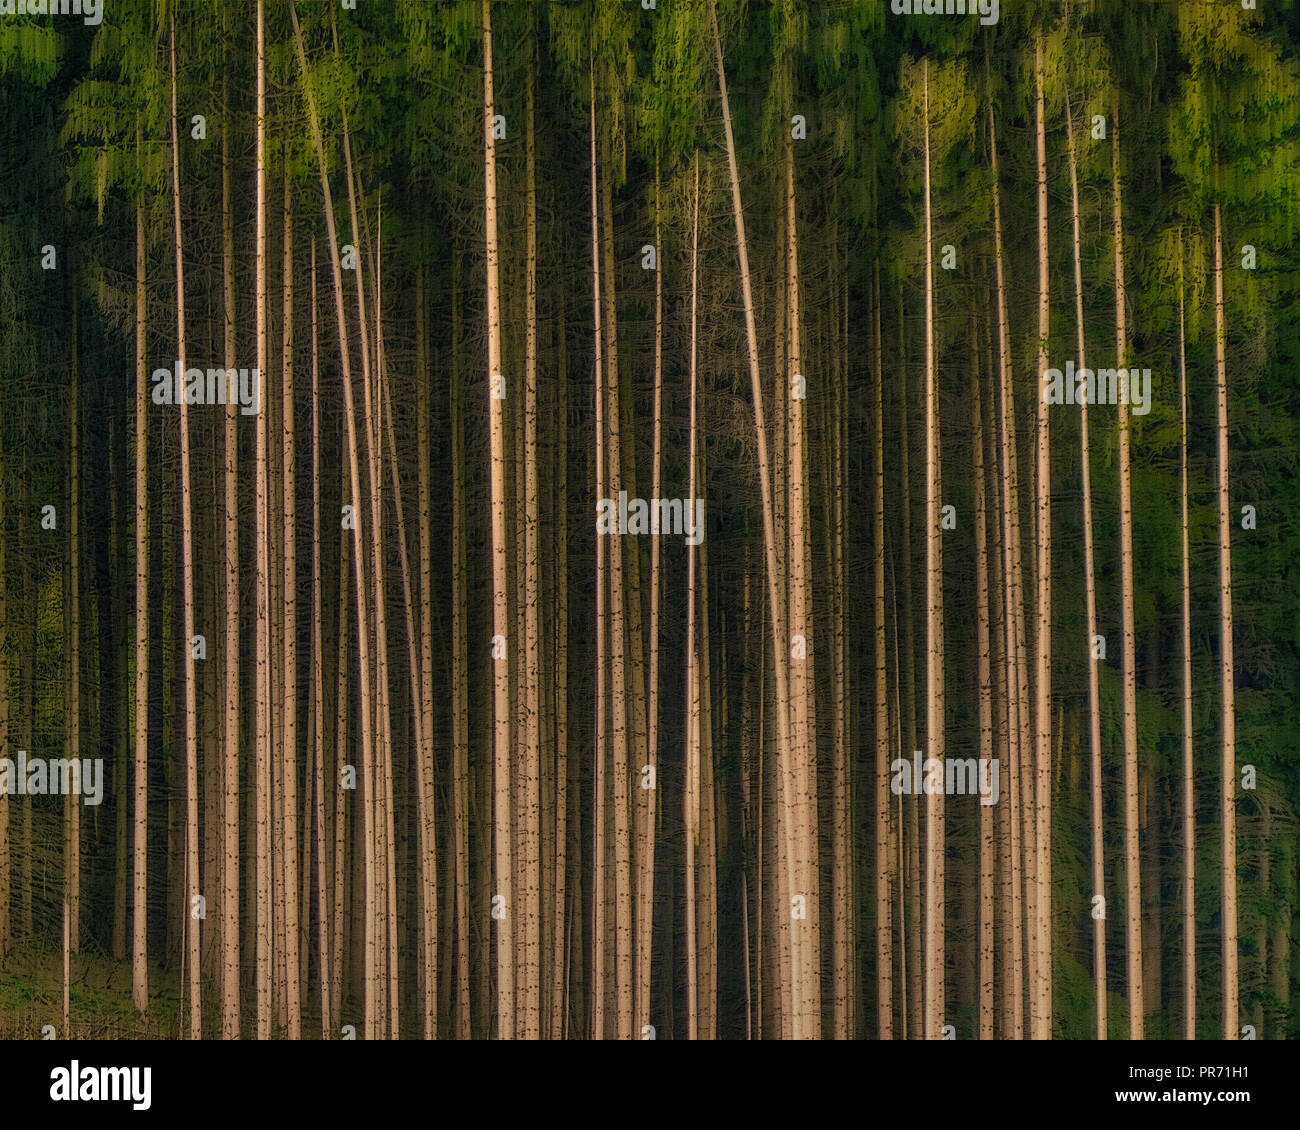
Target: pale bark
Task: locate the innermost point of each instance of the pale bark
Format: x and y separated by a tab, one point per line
323	932
1043	634
798	608
1090	596
1189	796
460	671
428	829
502	736
692	792
600	893
1017	687
1133	881
230	737
187	555
262	685
289	741
1228	785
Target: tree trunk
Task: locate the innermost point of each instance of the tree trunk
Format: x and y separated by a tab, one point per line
935	842
1229	783
139	922
1043	634
884	863
1098	913
1189	794
502	737
1133	884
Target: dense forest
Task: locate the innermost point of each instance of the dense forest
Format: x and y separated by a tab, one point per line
614	519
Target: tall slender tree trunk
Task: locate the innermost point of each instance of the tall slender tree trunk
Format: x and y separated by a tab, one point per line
1017	696
706	888
428	830
1043	634
1189	793
1229	781
289	771
802	650
187	555
563	765
1133	882
460	668
648	790
780	653
884	951
323	887
911	998
530	882
600	903
935	841
6	855
692	790
230	483
1097	912
262	683
984	945
502	738
139	921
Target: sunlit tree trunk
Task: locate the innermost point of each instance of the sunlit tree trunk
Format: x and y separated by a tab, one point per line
1229	782
621	675
323	871
646	797
560	670
6	856
800	631
230	736
502	737
599	889
779	646
1017	688
289	771
1133	881
1043	634
187	553
428	830
1189	794
692	738
1090	594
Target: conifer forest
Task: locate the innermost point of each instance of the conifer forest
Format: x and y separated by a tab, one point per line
649	519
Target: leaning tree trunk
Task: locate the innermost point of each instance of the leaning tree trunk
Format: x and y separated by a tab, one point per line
191	886
1098	912
779	650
